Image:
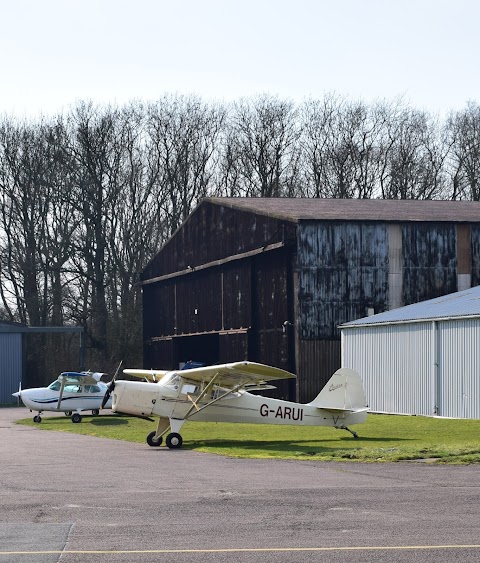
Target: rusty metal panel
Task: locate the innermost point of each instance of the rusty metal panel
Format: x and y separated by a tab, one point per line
270	299
475	249
211	300
159	317
318	360
343	271
233	347
213	232
236	295
198	303
158	354
429	260
463	249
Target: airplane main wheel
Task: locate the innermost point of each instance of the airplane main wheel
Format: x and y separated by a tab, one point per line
174	441
95	412
76	417
154	443
37	418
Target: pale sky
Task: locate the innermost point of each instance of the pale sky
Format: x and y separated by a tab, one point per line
57	52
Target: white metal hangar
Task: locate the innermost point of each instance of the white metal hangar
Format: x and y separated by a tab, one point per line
421	359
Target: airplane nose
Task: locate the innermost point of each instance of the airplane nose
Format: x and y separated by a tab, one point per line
108	392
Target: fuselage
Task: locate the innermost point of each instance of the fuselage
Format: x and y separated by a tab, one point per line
74	398
146	399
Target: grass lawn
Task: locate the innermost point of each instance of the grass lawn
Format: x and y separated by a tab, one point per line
382	438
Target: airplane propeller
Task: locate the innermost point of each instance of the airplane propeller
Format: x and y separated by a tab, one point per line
110	387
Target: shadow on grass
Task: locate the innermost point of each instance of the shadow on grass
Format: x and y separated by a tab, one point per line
109	420
343	448
359	442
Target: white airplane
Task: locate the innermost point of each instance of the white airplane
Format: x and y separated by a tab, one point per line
72	393
221	393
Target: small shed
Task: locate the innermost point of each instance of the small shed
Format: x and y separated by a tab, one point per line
13	352
11	360
422	359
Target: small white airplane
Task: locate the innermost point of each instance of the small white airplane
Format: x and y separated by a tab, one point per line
221	393
72	393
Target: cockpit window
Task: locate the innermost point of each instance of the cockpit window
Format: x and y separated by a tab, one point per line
55	386
92	389
72	388
171	379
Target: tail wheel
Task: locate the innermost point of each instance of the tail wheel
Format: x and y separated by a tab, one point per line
174	441
154	443
95	412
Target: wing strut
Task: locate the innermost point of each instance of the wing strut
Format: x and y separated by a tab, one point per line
198	409
60	395
202	394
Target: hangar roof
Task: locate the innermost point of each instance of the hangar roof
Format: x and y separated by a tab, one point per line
298	209
462	304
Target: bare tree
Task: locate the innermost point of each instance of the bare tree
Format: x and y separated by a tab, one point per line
96	190
136	231
463	130
24	214
184	131
342	147
413	164
264	142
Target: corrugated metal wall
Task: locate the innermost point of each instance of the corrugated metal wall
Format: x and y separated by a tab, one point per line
11	366
459	375
398	365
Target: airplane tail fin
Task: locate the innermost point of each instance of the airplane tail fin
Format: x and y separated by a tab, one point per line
343	392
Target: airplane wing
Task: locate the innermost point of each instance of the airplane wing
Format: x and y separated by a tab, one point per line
152	375
247	375
81	378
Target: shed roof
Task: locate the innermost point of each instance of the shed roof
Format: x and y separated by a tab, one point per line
298	209
461	304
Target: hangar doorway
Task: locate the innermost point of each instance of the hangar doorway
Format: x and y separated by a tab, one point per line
203	348
213	348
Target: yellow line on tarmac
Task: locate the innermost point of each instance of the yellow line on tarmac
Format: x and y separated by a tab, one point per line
244	550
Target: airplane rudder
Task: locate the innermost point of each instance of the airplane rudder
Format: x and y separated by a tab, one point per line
343	390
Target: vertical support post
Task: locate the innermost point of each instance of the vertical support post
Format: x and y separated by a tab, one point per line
395	266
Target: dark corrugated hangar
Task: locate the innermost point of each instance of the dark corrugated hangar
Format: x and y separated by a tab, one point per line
270	279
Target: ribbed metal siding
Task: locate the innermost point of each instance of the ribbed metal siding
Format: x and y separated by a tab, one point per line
10	366
395	364
459	376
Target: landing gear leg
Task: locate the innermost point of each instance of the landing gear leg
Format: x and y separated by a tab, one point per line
354	434
155	439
